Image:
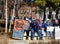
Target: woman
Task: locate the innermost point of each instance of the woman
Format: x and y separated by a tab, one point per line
27	25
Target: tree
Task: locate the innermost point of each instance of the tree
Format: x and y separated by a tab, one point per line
56	2
40	2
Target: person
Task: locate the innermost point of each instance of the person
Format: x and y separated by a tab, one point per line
47	24
33	25
27	25
41	30
55	24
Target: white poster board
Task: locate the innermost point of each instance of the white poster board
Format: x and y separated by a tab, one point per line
50	28
57	33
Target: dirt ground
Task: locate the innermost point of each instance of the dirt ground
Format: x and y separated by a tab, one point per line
4	39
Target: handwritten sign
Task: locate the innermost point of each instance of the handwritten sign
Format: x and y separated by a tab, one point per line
57	33
19	24
18	31
50	28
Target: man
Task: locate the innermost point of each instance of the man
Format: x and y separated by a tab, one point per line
47	24
33	28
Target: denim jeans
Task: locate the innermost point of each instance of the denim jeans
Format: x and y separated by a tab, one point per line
32	33
50	33
39	33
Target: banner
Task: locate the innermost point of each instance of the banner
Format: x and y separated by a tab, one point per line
18	31
57	33
50	28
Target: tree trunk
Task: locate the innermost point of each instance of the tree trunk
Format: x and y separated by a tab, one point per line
6	17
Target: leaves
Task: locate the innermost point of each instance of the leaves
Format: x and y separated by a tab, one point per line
56	2
40	2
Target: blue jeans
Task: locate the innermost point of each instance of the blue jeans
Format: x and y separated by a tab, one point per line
50	33
40	34
33	33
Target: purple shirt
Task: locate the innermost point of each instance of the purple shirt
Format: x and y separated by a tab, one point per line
41	25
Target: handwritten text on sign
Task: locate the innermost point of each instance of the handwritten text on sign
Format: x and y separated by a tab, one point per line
19	24
57	33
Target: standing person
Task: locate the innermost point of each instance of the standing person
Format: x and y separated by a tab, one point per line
27	25
47	24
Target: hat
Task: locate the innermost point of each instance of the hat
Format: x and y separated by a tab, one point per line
48	19
27	19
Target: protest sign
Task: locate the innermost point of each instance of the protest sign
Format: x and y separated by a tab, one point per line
50	28
18	31
57	33
19	24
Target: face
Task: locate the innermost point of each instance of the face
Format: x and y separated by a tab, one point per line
56	21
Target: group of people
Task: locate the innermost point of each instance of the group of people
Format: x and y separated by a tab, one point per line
36	22
37	25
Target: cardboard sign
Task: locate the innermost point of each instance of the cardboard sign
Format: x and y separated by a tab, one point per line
50	28
18	34
57	33
18	24
18	31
